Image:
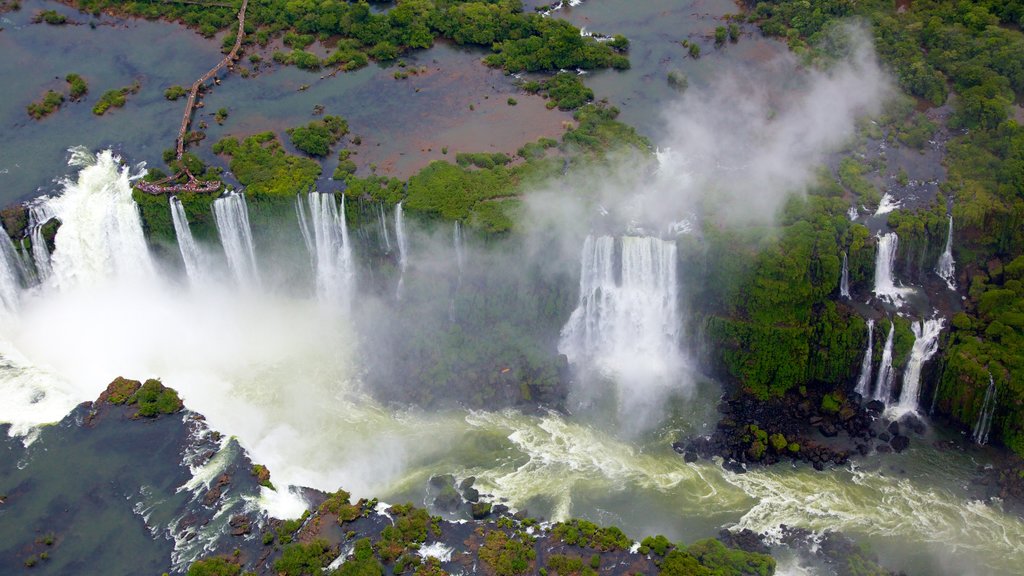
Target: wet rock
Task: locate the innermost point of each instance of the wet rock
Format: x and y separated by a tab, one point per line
913	423
240	525
442	480
828	430
690	456
884	437
894	428
734	466
883	449
899	443
481	510
875	407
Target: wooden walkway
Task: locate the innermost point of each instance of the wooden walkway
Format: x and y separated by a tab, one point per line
193	184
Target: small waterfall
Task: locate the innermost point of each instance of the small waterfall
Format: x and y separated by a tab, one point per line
403	248
39	213
101	232
232	217
384	228
191	254
926	344
883	386
459	257
885	286
11	274
988	408
945	269
864	380
627	327
844	282
307	236
329	246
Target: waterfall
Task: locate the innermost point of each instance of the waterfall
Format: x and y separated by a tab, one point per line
403	248
885	286
191	254
232	217
39	213
988	407
864	380
384	227
945	268
11	274
926	344
101	233
329	246
883	386
459	257
307	236
844	282
627	328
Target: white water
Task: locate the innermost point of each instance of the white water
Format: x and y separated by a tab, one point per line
101	234
926	344
39	213
403	249
384	228
626	323
273	373
945	268
232	217
191	254
864	380
329	246
11	274
885	285
844	281
983	426
887	204
886	375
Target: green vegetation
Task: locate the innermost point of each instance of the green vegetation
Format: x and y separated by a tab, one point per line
262	474
565	90
410	528
519	40
77	86
584	533
505	555
304	559
175	92
121	390
261	164
317	137
153	399
114	98
723	561
49	104
215	566
678	80
363	562
339	505
565	565
51	17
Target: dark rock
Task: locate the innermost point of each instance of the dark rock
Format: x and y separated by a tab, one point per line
466	483
442	480
240	525
734	466
913	423
875	407
828	430
481	510
679	447
884	449
894	428
818	466
884	437
471	494
499	509
690	456
815	420
899	443
847	413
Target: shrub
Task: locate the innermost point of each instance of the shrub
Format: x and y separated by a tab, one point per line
174	92
77	85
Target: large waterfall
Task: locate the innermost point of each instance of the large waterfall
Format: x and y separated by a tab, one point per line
988	407
191	254
883	386
328	244
626	323
864	380
844	280
232	217
885	286
384	227
101	233
926	344
403	248
945	268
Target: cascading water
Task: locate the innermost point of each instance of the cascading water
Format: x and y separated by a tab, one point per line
11	274
101	233
39	214
883	386
403	249
329	246
926	344
232	217
844	281
627	329
307	236
988	408
384	227
459	257
885	286
945	269
864	380
191	254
